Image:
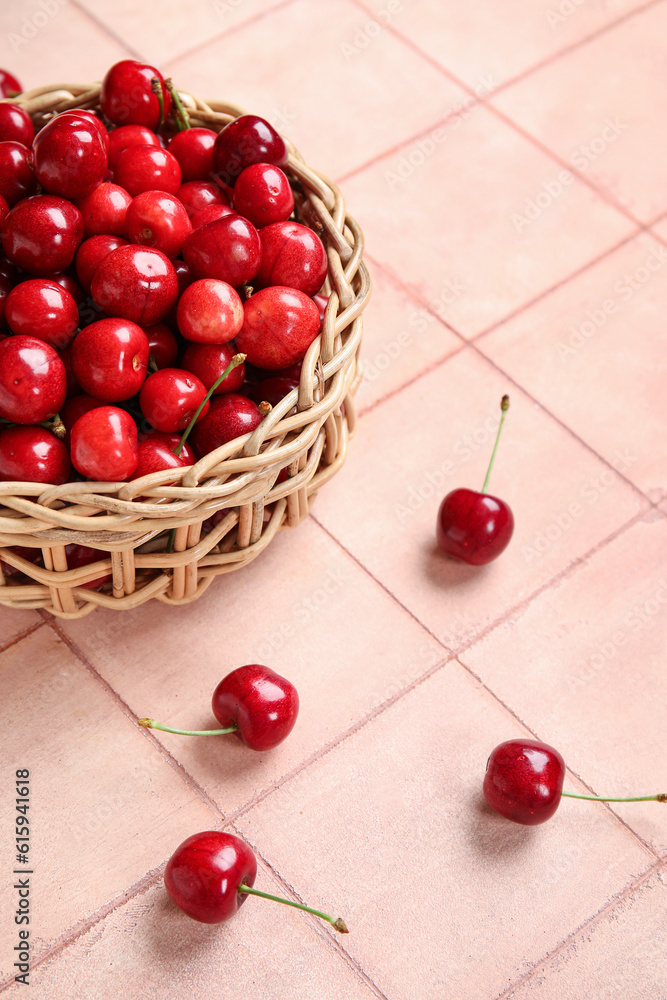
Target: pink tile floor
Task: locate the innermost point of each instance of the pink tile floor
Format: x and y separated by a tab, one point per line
507	163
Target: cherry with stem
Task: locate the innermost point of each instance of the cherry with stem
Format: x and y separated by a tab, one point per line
337	923
182	119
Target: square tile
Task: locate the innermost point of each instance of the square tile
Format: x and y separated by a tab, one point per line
304	609
105	807
610	128
437	435
593	681
442	896
450	216
339	110
14	623
595	352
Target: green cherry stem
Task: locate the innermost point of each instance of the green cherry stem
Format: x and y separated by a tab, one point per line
504	407
237	360
338	923
182	119
662	797
156	87
151	724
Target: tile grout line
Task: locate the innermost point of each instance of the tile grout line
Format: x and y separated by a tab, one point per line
101	26
20	636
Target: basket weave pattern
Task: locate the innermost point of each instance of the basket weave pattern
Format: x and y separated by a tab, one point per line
307	433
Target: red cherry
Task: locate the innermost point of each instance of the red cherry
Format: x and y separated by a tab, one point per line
9	85
129	135
70	157
228	249
247	140
15	125
155	455
263	195
169	398
209	312
209	361
69	284
475	527
110	359
162	345
210	214
127	96
292	255
90	255
147	168
193	148
5	289
42	309
41	234
104	211
33	383
171	441
74	408
261	703
203	875
273	390
33	455
229	417
197	195
9	271
279	326
65	355
82	114
104	444
4	209
17	178
156	219
524	781
137	283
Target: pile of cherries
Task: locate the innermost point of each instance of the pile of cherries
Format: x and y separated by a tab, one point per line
151	278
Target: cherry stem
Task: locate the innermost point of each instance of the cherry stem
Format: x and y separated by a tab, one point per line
337	923
152	365
504	407
151	724
182	119
662	797
156	87
237	360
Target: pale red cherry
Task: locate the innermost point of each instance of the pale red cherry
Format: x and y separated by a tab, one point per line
104	444
157	219
196	195
209	312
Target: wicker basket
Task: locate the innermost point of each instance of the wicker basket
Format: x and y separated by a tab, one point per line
307	432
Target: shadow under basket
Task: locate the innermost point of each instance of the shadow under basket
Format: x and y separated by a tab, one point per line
169	541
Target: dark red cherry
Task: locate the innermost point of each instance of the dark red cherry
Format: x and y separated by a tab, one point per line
260	702
129	135
156	455
74	408
227	249
247	140
9	85
193	148
292	255
127	96
41	308
104	444
4	209
209	361
229	417
147	168
197	195
5	289
263	195
17	178
279	326
170	397
65	355
524	781
209	311
203	875
104	211
33	383
16	125
69	284
157	219
41	234
162	345
473	527
110	359
137	283
273	390
83	114
90	255
33	455
70	158
84	555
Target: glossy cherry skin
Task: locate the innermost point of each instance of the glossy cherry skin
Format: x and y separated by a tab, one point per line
17	178
247	140
104	211
129	135
157	219
209	311
171	441
110	359
147	168
292	255
70	158
4	209
33	383
473	527
210	214
33	455
104	444
209	361
74	408
260	702
162	345
524	781
69	284
9	85
41	234
279	326
41	308
90	255
83	114
229	417
5	289
228	249
203	875
169	398
193	148
273	390
196	195
127	96
137	283
15	125
263	195
156	455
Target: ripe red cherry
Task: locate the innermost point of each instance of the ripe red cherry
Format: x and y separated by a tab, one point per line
4	209
69	284
193	148
33	455
127	96
90	255
110	359
228	249
261	703
70	157
42	309
162	345
137	283
169	398
197	195
210	214
209	361
273	390
74	408
15	125
279	326
157	219
209	311
84	115
5	289
9	85
171	441
229	417
104	211
33	383
156	455
475	527
524	781
203	875
247	140
147	168
104	444
17	178
129	135
41	234
292	255
263	195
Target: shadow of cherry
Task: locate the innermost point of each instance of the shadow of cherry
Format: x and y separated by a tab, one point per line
493	836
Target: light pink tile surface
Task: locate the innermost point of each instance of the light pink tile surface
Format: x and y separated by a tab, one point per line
415	858
15	623
608	129
437	435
